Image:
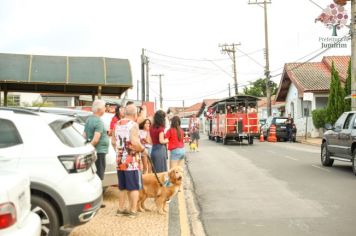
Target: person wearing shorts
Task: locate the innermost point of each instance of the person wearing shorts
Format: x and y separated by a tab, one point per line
128	146
194	126
175	136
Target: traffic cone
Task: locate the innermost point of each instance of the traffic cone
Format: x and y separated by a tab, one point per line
272	134
262	139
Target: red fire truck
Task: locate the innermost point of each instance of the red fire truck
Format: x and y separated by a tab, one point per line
233	118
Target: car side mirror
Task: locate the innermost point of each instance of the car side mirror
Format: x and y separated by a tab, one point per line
329	126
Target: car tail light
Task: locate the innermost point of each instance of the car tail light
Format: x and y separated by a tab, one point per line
7	215
77	163
87	206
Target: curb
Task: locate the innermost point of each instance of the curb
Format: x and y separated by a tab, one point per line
309	143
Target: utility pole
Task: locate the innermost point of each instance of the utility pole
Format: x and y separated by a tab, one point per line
229	90
267	71
143	59
183	110
138	89
160	90
231	51
147	79
353	54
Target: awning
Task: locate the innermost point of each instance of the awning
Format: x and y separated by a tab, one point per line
61	74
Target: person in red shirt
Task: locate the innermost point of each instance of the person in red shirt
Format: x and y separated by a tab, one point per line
159	151
119	114
175	136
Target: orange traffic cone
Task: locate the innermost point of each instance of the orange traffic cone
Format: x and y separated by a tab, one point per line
262	139
272	134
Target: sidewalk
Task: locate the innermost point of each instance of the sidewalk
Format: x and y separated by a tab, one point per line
106	223
310	141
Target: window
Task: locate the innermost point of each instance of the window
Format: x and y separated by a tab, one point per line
306	106
9	136
348	121
340	122
13	100
68	134
279	121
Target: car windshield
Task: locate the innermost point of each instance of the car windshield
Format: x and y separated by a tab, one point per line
279	121
68	134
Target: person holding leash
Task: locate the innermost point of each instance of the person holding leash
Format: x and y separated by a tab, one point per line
126	139
159	151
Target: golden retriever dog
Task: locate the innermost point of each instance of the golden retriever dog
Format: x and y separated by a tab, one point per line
171	181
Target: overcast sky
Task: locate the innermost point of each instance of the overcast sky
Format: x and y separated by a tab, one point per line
181	37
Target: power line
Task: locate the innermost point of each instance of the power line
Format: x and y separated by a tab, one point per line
319	54
186	59
251	58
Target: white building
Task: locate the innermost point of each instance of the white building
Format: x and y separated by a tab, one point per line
304	87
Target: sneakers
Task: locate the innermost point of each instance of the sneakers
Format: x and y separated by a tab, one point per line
121	213
132	214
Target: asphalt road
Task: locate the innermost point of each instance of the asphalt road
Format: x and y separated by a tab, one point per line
272	189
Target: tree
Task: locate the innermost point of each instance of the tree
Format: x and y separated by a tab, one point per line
258	88
335	105
348	88
319	117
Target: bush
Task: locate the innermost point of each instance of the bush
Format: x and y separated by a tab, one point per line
319	118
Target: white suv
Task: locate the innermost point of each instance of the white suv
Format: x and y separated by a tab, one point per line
65	191
16	219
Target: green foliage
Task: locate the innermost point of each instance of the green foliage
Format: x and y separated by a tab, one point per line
336	101
258	88
319	116
347	88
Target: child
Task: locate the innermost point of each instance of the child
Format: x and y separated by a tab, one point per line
175	136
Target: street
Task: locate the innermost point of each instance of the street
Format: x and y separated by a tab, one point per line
271	189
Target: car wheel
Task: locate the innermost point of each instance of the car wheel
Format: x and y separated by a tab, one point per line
353	162
48	215
325	156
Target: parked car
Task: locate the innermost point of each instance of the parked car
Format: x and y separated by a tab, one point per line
110	176
16	217
281	128
339	141
65	190
80	115
184	124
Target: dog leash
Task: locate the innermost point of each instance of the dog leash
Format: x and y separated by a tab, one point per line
154	171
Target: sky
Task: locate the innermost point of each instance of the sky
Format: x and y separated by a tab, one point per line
180	38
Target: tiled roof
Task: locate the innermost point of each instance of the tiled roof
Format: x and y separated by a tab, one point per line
175	110
195	107
263	102
208	102
311	76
